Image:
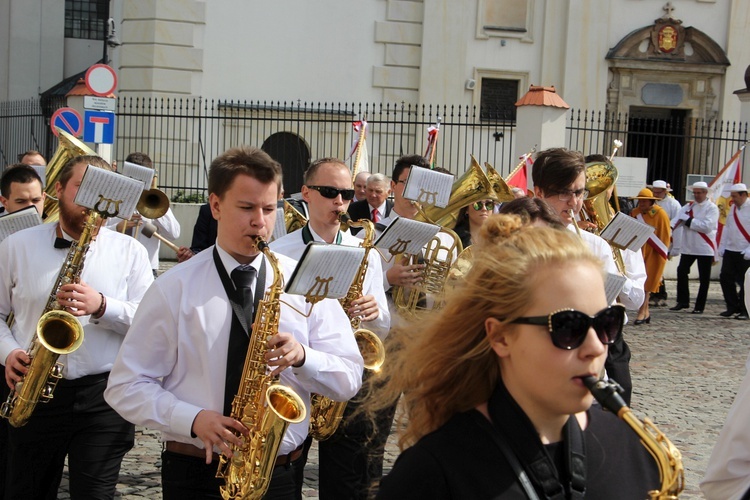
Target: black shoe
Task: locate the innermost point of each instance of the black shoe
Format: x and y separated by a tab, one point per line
727	313
679	307
642	321
742	316
697	311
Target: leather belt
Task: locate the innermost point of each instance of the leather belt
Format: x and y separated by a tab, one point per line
193	451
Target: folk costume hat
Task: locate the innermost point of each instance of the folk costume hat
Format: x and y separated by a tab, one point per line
698	185
645	194
738	188
660	185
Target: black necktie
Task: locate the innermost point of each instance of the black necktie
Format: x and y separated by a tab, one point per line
239	340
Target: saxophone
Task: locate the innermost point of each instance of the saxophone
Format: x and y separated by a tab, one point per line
263	405
57	332
325	413
667	456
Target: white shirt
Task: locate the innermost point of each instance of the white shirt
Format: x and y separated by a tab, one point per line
732	238
115	265
173	361
670	205
728	472
167	226
293	246
687	240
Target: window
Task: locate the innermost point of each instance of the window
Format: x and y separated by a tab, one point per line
86	19
498	99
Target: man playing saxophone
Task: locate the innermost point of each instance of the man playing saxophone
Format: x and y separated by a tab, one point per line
344	458
181	364
77	423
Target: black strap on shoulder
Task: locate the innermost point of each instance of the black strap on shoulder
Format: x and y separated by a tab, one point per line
576	458
499	440
260	288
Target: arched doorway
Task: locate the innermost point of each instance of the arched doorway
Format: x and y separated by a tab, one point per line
294	155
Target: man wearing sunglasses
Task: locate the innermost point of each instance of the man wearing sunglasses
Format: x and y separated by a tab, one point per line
344	459
559	177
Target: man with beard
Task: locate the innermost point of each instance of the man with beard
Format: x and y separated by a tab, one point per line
77	423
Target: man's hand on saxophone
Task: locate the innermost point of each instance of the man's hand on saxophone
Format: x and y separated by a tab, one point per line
214	429
16	367
365	307
79	299
284	351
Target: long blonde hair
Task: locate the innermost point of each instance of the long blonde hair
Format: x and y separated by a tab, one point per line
443	363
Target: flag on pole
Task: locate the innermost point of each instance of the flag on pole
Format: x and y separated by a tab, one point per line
718	189
432	135
359	149
519	177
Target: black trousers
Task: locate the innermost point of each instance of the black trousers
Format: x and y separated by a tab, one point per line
733	268
76	423
190	478
617	365
351	460
704	275
4	392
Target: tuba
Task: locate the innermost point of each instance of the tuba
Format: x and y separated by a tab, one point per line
293	218
667	456
600	178
57	332
325	413
69	147
262	404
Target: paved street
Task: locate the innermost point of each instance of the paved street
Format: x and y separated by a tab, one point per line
686	369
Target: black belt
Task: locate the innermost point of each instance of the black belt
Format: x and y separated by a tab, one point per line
85	380
193	451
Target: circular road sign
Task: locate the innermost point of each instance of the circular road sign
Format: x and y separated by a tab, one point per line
101	80
67	119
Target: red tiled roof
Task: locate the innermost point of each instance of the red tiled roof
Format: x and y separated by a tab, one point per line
80	89
542	96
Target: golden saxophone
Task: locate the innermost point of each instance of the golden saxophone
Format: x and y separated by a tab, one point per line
57	332
263	405
667	456
325	413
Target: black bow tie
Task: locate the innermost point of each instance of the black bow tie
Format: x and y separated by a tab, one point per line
62	243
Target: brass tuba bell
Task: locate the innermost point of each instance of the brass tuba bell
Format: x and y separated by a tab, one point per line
600	179
68	148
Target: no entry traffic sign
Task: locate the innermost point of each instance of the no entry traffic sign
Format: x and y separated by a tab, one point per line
101	80
67	119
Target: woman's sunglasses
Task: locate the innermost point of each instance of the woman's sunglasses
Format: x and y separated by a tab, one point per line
332	192
489	205
568	328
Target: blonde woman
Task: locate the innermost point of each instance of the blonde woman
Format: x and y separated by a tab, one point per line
493	390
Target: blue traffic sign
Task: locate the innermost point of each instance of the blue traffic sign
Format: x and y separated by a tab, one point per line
67	119
99	127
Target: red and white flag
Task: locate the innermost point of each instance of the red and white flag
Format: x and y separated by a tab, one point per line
718	189
519	177
359	148
432	135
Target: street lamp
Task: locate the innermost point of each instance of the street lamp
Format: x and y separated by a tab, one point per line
111	40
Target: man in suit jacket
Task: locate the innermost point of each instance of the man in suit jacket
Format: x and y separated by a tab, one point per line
378	189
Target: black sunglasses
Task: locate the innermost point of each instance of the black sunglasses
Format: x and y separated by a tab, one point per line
568	328
332	192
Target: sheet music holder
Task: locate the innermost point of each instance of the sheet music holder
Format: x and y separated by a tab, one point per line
108	193
279	227
428	187
325	271
18	220
135	171
628	232
405	236
613	286
41	171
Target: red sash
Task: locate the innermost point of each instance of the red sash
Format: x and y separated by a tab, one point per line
702	235
654	242
739	224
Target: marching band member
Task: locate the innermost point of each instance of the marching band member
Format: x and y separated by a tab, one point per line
76	423
182	361
470	219
20	187
344	463
559	177
492	382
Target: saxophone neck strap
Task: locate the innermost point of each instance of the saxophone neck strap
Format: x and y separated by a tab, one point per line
307	236
235	298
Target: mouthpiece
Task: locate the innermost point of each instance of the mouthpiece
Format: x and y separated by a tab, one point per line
261	243
607	392
344	218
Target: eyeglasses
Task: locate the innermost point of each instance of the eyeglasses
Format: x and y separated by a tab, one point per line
332	192
568	328
489	205
567	195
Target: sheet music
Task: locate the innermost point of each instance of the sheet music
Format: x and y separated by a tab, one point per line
405	236
279	227
20	219
428	187
628	232
613	286
139	172
109	193
325	271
